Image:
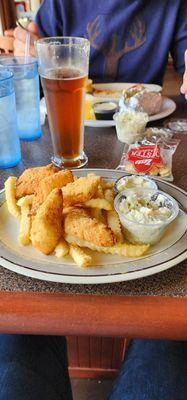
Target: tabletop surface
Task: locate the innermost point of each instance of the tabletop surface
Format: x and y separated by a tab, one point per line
103	151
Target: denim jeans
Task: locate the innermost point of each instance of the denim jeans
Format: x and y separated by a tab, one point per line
153	370
35	368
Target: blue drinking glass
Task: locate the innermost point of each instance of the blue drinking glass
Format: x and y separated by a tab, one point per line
10	152
26	85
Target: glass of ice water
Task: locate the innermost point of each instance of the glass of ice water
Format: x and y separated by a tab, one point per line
10	153
26	85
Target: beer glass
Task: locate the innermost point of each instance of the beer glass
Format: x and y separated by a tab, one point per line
63	67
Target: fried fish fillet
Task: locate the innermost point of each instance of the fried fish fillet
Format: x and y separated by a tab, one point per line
81	190
29	181
55	181
46	228
79	224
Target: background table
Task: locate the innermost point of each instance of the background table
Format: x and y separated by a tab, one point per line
154	307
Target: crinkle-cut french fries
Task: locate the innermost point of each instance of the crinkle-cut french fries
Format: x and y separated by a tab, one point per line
109	196
62	248
26	220
10	195
98	214
79	256
103	204
99	193
25	226
113	223
107	185
124	250
26	200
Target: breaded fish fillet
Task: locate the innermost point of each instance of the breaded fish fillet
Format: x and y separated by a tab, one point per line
81	190
79	224
29	181
46	228
55	181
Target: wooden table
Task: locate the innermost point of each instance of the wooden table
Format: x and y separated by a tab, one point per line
152	307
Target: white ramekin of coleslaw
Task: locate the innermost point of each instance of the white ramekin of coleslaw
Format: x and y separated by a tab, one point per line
134	181
145	214
130	125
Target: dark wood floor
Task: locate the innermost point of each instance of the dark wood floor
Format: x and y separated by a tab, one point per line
91	389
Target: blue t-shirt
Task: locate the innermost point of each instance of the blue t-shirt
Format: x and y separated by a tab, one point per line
130	39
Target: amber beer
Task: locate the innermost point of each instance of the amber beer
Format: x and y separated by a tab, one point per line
64	91
63	67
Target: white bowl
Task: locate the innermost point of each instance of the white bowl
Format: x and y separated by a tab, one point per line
130	125
150	183
147	233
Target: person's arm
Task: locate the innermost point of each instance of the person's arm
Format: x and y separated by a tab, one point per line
184	85
48	23
19	36
179	42
49	18
179	45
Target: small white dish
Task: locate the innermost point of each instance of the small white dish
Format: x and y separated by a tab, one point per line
145	230
134	181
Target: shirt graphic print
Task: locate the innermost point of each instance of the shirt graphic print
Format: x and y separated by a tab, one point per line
113	52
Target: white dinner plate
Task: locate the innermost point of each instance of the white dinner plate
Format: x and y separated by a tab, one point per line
168	107
115	86
26	260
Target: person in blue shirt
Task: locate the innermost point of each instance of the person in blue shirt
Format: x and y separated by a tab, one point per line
130	40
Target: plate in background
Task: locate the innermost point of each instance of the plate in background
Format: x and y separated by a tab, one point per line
120	86
168	107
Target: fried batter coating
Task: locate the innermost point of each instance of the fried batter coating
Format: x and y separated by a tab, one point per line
81	190
46	228
29	181
79	224
55	181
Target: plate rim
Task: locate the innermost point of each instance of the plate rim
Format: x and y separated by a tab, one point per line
97	279
127	83
100	279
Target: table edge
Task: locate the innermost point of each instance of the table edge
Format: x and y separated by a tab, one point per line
93	315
